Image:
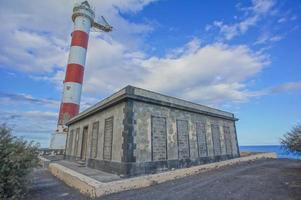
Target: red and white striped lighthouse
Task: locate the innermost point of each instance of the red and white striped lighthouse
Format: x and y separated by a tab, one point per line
83	18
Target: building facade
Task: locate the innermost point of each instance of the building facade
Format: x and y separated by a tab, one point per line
136	131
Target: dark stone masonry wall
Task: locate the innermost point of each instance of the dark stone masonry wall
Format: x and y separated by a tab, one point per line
143	132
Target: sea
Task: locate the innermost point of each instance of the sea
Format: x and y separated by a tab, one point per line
270	148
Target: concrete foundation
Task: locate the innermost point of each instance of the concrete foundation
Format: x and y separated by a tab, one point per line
93	187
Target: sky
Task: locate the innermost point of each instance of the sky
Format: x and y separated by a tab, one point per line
240	56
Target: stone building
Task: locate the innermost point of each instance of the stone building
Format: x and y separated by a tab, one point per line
136	131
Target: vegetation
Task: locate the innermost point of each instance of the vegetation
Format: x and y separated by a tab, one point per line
17	159
291	141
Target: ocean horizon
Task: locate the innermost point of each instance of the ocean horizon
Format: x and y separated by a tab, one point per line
281	153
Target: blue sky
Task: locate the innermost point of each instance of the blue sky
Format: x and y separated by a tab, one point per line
239	56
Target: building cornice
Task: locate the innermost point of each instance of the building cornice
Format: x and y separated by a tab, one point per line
138	94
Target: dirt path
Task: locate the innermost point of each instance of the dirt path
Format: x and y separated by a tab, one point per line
262	179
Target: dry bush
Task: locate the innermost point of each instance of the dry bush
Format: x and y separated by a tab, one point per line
291	141
17	159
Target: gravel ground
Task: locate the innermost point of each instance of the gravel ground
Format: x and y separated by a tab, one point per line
262	179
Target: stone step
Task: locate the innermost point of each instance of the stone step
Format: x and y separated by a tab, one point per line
81	163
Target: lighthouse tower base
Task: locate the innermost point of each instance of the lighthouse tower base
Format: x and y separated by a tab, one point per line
58	140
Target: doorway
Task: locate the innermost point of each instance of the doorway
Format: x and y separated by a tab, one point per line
84	144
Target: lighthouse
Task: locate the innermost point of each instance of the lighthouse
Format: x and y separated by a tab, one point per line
83	18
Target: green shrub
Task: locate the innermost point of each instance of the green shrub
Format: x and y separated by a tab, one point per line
17	158
291	141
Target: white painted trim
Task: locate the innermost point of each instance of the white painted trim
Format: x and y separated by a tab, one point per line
72	92
82	23
77	55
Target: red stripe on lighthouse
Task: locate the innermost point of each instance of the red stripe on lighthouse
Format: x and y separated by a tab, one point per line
80	38
74	73
67	111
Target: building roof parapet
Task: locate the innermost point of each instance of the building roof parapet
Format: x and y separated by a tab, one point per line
139	94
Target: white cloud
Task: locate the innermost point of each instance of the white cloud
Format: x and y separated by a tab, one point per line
32	52
229	31
281	20
56	78
33	125
218	71
282	88
122	5
266	37
110	66
293	18
26	99
276	38
262	6
36	34
251	16
286	87
244	25
210	73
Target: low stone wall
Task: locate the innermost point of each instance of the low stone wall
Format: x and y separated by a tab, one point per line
43	162
94	188
84	184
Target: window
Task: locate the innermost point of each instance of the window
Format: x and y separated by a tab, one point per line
108	138
183	139
94	142
70	142
228	142
159	138
201	139
216	139
76	141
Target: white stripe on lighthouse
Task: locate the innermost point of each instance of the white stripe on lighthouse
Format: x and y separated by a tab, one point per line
72	92
82	24
77	55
